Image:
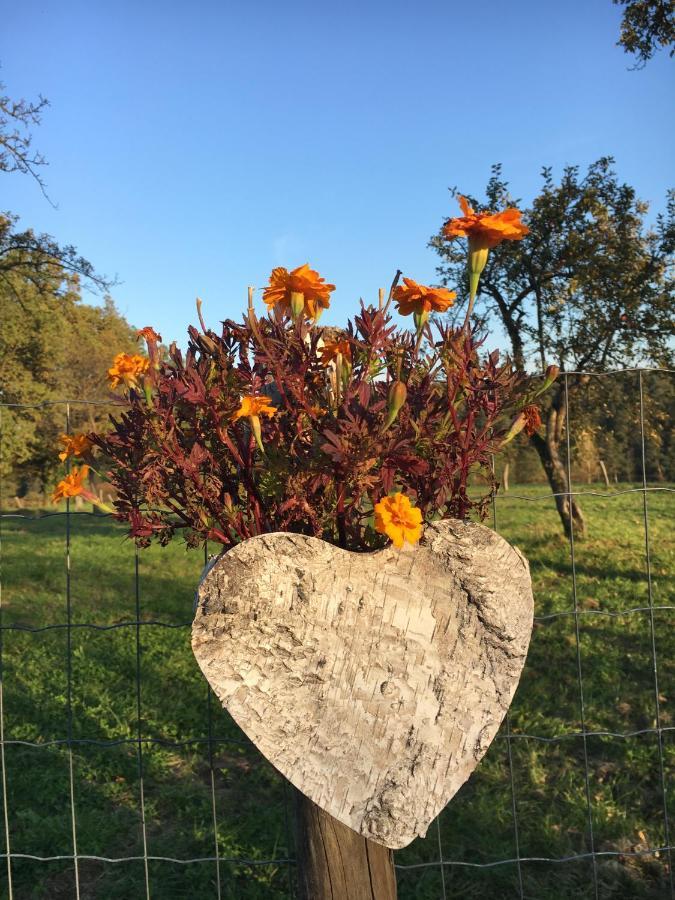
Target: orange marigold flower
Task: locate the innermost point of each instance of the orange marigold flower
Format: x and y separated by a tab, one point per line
412	297
254	406
486	230
532	419
74	445
72	484
127	368
398	519
149	334
302	280
330	350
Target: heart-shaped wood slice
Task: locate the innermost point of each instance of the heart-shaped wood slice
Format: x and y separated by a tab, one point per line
374	682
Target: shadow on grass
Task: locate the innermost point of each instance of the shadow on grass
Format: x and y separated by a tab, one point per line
181	776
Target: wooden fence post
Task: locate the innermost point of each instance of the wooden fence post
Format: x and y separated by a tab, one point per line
336	863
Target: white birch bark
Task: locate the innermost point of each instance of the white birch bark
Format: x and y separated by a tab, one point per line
374	682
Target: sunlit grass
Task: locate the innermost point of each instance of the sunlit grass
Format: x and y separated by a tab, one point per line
617	664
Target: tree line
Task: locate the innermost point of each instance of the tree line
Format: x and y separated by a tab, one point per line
52	347
608	418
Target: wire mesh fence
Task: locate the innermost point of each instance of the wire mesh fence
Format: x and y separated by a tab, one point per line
122	776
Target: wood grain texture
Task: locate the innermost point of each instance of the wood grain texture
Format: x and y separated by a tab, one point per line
336	863
374	682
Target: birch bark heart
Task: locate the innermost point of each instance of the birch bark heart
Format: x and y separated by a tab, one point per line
374	682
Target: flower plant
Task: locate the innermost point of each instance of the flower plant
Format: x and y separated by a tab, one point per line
354	435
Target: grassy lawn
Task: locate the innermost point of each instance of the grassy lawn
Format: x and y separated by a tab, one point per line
181	776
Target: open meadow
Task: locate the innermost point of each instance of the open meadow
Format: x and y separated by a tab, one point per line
183	773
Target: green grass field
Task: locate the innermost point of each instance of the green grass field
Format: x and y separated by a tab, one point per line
250	809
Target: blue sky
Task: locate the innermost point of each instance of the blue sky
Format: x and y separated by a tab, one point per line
194	146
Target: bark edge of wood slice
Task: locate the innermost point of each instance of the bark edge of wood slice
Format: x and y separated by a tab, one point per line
374	682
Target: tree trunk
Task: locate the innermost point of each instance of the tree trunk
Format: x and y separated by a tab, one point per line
336	863
505	479
568	508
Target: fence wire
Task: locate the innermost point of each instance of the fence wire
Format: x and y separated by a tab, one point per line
211	740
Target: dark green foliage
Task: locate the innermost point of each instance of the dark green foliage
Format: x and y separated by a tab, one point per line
646	27
52	346
606	426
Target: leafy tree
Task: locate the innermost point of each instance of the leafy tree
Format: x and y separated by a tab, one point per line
32	354
52	347
647	26
590	288
607	425
620	421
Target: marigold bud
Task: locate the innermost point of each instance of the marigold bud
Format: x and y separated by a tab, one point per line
420	319
398	394
516	427
207	342
550	376
297	303
552	373
478	256
257	431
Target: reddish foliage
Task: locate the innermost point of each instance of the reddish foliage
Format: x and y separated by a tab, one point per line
178	460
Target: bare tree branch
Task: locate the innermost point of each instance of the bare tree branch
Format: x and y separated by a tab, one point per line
16	150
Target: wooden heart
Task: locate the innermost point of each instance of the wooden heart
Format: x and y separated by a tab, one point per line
374	682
